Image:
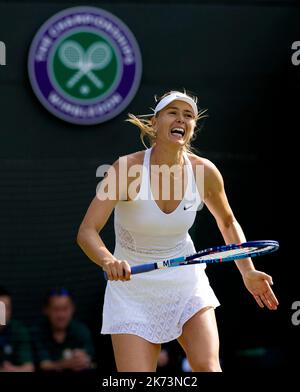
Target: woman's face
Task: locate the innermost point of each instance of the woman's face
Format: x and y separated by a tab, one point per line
175	123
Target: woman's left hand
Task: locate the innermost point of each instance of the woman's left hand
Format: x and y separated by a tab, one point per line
258	283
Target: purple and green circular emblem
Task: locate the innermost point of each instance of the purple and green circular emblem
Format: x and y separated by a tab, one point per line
84	65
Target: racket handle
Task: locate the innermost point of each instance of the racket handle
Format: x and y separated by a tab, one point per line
138	269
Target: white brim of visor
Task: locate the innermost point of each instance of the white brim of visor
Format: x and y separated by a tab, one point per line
170	98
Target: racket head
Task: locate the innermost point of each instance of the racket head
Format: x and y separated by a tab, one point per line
235	251
71	54
98	55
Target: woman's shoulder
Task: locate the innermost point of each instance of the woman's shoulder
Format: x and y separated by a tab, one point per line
135	158
211	172
124	163
198	160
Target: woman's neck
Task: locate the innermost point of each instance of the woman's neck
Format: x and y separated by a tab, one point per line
169	156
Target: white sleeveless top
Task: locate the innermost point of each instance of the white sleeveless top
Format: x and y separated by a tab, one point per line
156	304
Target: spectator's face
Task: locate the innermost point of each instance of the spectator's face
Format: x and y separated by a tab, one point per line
7	303
59	311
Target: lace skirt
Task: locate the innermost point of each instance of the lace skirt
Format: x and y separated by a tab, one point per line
155	305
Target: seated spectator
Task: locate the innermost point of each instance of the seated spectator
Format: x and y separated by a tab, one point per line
163	360
185	366
169	358
61	343
15	348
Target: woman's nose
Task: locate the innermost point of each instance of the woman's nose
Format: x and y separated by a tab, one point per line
180	118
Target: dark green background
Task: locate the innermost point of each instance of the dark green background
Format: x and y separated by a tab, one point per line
236	56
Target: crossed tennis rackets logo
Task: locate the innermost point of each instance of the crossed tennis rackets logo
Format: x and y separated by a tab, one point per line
74	56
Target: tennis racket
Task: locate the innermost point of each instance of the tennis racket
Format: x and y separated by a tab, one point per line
216	254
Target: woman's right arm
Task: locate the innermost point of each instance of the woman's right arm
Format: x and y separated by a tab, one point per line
99	211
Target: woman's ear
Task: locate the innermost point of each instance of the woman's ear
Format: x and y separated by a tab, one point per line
153	122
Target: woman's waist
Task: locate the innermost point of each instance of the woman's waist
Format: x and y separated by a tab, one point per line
139	253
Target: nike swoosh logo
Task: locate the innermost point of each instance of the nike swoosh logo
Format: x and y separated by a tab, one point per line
188	207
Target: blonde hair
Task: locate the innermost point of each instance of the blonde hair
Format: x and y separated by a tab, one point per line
143	122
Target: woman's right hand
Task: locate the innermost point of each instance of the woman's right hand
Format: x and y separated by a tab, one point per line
116	269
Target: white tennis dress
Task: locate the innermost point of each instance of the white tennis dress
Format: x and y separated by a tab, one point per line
156	304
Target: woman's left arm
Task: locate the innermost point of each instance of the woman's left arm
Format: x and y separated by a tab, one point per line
214	197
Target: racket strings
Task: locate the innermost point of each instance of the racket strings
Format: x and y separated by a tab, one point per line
234	252
72	56
100	56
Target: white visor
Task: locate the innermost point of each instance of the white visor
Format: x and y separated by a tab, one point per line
176	96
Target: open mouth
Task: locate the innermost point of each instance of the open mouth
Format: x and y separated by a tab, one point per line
179	132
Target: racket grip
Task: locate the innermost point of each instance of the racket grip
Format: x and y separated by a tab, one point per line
138	269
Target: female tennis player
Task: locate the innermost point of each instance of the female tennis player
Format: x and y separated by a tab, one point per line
142	311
